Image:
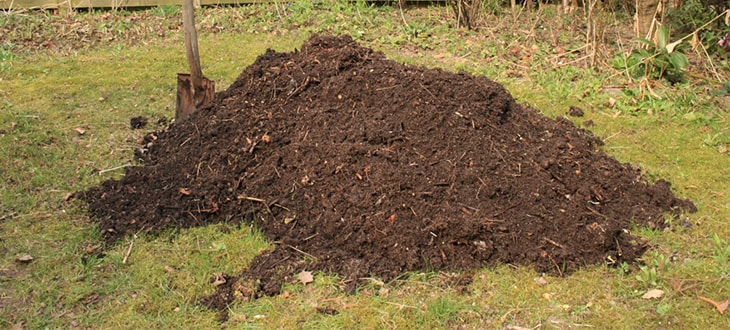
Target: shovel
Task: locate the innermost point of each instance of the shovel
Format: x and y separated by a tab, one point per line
194	90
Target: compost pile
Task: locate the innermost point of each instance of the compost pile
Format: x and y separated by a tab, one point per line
355	164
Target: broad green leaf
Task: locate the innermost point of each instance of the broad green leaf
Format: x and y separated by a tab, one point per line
646	42
644	53
678	60
662	37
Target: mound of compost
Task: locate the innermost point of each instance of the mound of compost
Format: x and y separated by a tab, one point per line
355	164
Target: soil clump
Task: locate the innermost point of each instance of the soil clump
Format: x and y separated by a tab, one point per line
355	164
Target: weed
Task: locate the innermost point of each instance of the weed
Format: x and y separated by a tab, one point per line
165	10
721	250
623	268
7	54
441	310
693	14
663	308
659	60
723	90
300	12
648	275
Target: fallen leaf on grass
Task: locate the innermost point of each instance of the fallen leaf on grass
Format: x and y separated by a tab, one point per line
219	279
26	258
80	130
305	277
540	281
653	294
611	102
721	306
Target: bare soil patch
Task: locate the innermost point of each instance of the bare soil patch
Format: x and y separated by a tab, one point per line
355	164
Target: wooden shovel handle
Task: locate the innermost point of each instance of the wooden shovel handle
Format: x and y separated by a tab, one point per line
191	39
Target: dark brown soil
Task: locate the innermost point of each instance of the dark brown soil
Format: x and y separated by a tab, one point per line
355	164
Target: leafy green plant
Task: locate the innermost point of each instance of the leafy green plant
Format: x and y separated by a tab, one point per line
721	250
6	55
648	275
693	14
623	268
165	10
441	310
722	91
658	60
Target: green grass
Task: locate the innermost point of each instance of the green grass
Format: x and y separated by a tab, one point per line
46	100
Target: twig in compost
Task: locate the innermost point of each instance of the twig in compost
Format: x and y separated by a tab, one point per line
313	236
596	212
496	215
560	271
114	168
258	200
554	243
302	252
428	91
186	141
253	199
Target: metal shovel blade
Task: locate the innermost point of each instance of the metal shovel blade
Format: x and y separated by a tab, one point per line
193	93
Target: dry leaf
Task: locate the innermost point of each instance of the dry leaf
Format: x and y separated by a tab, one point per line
695	41
540	281
611	102
219	279
305	277
170	269
653	294
288	220
26	258
671	46
184	191
80	130
721	306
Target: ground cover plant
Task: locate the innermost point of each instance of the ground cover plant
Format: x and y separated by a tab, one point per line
67	129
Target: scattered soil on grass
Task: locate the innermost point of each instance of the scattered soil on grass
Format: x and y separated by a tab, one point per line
356	164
